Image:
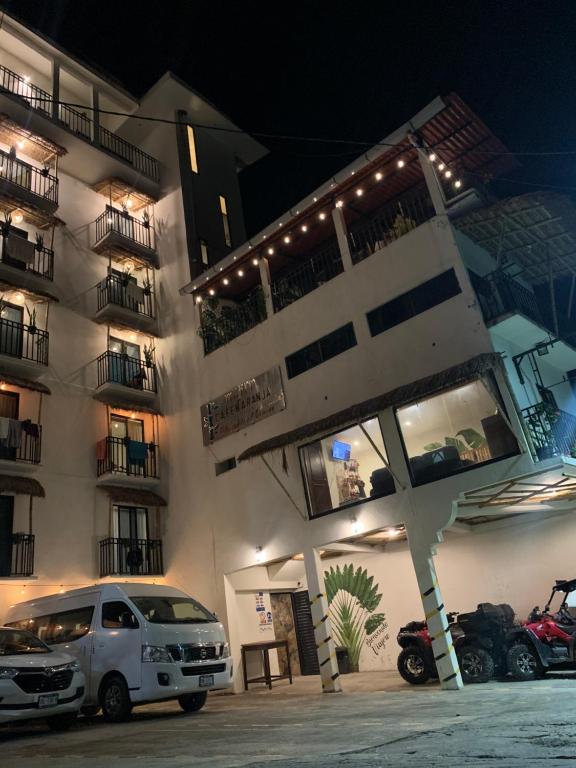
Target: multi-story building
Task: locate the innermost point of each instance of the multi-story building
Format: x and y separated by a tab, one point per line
367	377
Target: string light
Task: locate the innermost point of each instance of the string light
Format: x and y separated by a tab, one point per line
240	273
339	203
441	167
198	299
304	228
457	183
287	239
359	192
432	157
400	163
212	292
379	176
225	281
322	216
255	262
448	174
270	251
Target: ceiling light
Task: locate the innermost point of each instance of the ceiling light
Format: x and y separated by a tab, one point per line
378	176
339	203
441	167
432	157
129	203
407	423
226	281
18	218
392	531
240	273
448	174
21	144
287	239
259	555
304	228
321	216
132	337
359	192
132	415
19	297
400	163
270	251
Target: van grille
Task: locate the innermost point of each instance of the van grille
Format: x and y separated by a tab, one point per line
204	669
40	682
195	652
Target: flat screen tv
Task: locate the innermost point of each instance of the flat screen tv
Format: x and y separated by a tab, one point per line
341	451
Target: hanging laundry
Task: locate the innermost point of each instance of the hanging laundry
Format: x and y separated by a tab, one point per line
30	429
4	427
102	450
14	434
137	452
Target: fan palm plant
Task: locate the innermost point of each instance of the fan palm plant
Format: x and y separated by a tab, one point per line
352	597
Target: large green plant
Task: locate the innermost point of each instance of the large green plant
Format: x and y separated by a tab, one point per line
352	597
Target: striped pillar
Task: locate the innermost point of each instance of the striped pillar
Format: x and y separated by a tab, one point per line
325	646
435	613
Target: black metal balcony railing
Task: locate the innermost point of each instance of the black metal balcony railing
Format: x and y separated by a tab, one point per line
26	342
118	368
131	557
22	555
34	181
306	277
21	86
388	224
118	222
127	294
222	323
129	457
499	294
552	431
38	260
79	123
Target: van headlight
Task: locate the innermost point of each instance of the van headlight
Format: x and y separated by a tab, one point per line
73	666
155	653
225	650
7	673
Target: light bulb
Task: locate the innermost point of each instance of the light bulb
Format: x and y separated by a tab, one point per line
441	167
198	299
255	262
378	176
240	273
21	144
304	228
457	183
18	218
359	192
2	386
212	292
226	281
339	203
26	78
19	297
270	251
432	157
448	174
400	163
280	224
61	590
129	203
287	239
132	415
321	216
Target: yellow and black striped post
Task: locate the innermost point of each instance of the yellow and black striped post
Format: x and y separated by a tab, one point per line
435	613
325	646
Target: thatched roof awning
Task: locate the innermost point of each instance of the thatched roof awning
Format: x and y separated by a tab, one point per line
426	387
123	493
124	405
16	381
26	486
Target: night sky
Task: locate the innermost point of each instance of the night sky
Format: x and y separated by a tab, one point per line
353	70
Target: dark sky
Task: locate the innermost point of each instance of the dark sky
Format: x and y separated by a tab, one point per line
352	70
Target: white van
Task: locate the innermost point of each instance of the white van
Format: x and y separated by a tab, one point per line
136	643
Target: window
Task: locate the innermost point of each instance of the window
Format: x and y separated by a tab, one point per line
192	149
204	253
172	610
225	221
225	466
345	468
456	430
117	615
414	302
319	351
59	627
15	642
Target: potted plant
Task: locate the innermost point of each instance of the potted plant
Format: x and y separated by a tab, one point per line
146	220
32	328
39	242
149	355
126	275
147	286
6	224
45	170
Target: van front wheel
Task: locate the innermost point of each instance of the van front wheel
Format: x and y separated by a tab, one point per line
193	702
115	700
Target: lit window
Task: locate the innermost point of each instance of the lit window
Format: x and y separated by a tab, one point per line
345	469
225	222
454	431
192	149
204	252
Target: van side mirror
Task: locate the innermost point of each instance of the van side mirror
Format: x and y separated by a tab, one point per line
129	621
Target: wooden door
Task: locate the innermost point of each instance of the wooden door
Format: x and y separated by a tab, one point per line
305	633
316	479
6	523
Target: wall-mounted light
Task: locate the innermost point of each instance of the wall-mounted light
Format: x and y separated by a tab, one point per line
259	555
18	218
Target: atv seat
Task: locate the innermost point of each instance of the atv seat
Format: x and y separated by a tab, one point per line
570	629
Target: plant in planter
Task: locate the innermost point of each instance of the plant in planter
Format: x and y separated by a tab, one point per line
149	355
147	287
45	170
32	328
7	223
39	242
126	275
146	220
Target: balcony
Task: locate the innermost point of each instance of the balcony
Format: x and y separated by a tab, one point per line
127	458
222	322
122	301
500	296
125	377
552	431
23	184
22	445
131	557
377	229
23	348
297	282
120	235
78	123
21	562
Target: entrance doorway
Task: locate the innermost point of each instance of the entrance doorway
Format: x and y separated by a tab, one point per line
293	622
11	330
6	527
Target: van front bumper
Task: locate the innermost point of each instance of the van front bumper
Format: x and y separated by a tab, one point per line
15	704
169	680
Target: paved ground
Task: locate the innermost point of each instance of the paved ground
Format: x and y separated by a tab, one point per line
378	721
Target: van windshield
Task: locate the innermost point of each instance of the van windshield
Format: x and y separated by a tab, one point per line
14	642
172	610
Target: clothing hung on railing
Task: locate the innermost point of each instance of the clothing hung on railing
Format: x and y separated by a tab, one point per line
102	450
10	433
137	452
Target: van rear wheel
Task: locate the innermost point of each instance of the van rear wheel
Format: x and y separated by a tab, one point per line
115	700
193	702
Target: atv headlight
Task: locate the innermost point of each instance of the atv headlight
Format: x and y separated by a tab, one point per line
155	653
7	673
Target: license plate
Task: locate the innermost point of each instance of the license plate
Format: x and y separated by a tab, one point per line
48	700
205	681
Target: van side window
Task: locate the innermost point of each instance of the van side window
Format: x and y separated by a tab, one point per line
116	615
69	625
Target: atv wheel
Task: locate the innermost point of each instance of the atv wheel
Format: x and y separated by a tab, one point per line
476	664
523	662
413	665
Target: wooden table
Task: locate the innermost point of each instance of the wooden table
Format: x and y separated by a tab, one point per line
264	648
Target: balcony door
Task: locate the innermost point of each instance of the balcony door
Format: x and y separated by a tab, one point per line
132	530
121	429
11	330
9	407
6	523
125	367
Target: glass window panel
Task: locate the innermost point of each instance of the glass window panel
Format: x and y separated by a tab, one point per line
344	468
192	149
453	431
117	615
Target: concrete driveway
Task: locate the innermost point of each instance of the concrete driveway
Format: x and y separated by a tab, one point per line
378	721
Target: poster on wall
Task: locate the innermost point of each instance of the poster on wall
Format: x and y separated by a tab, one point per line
264	615
243	405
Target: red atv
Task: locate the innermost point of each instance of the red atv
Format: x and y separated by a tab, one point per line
479	640
546	640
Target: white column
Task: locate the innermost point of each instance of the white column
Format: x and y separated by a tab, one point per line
435	614
432	182
325	646
266	285
342	237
